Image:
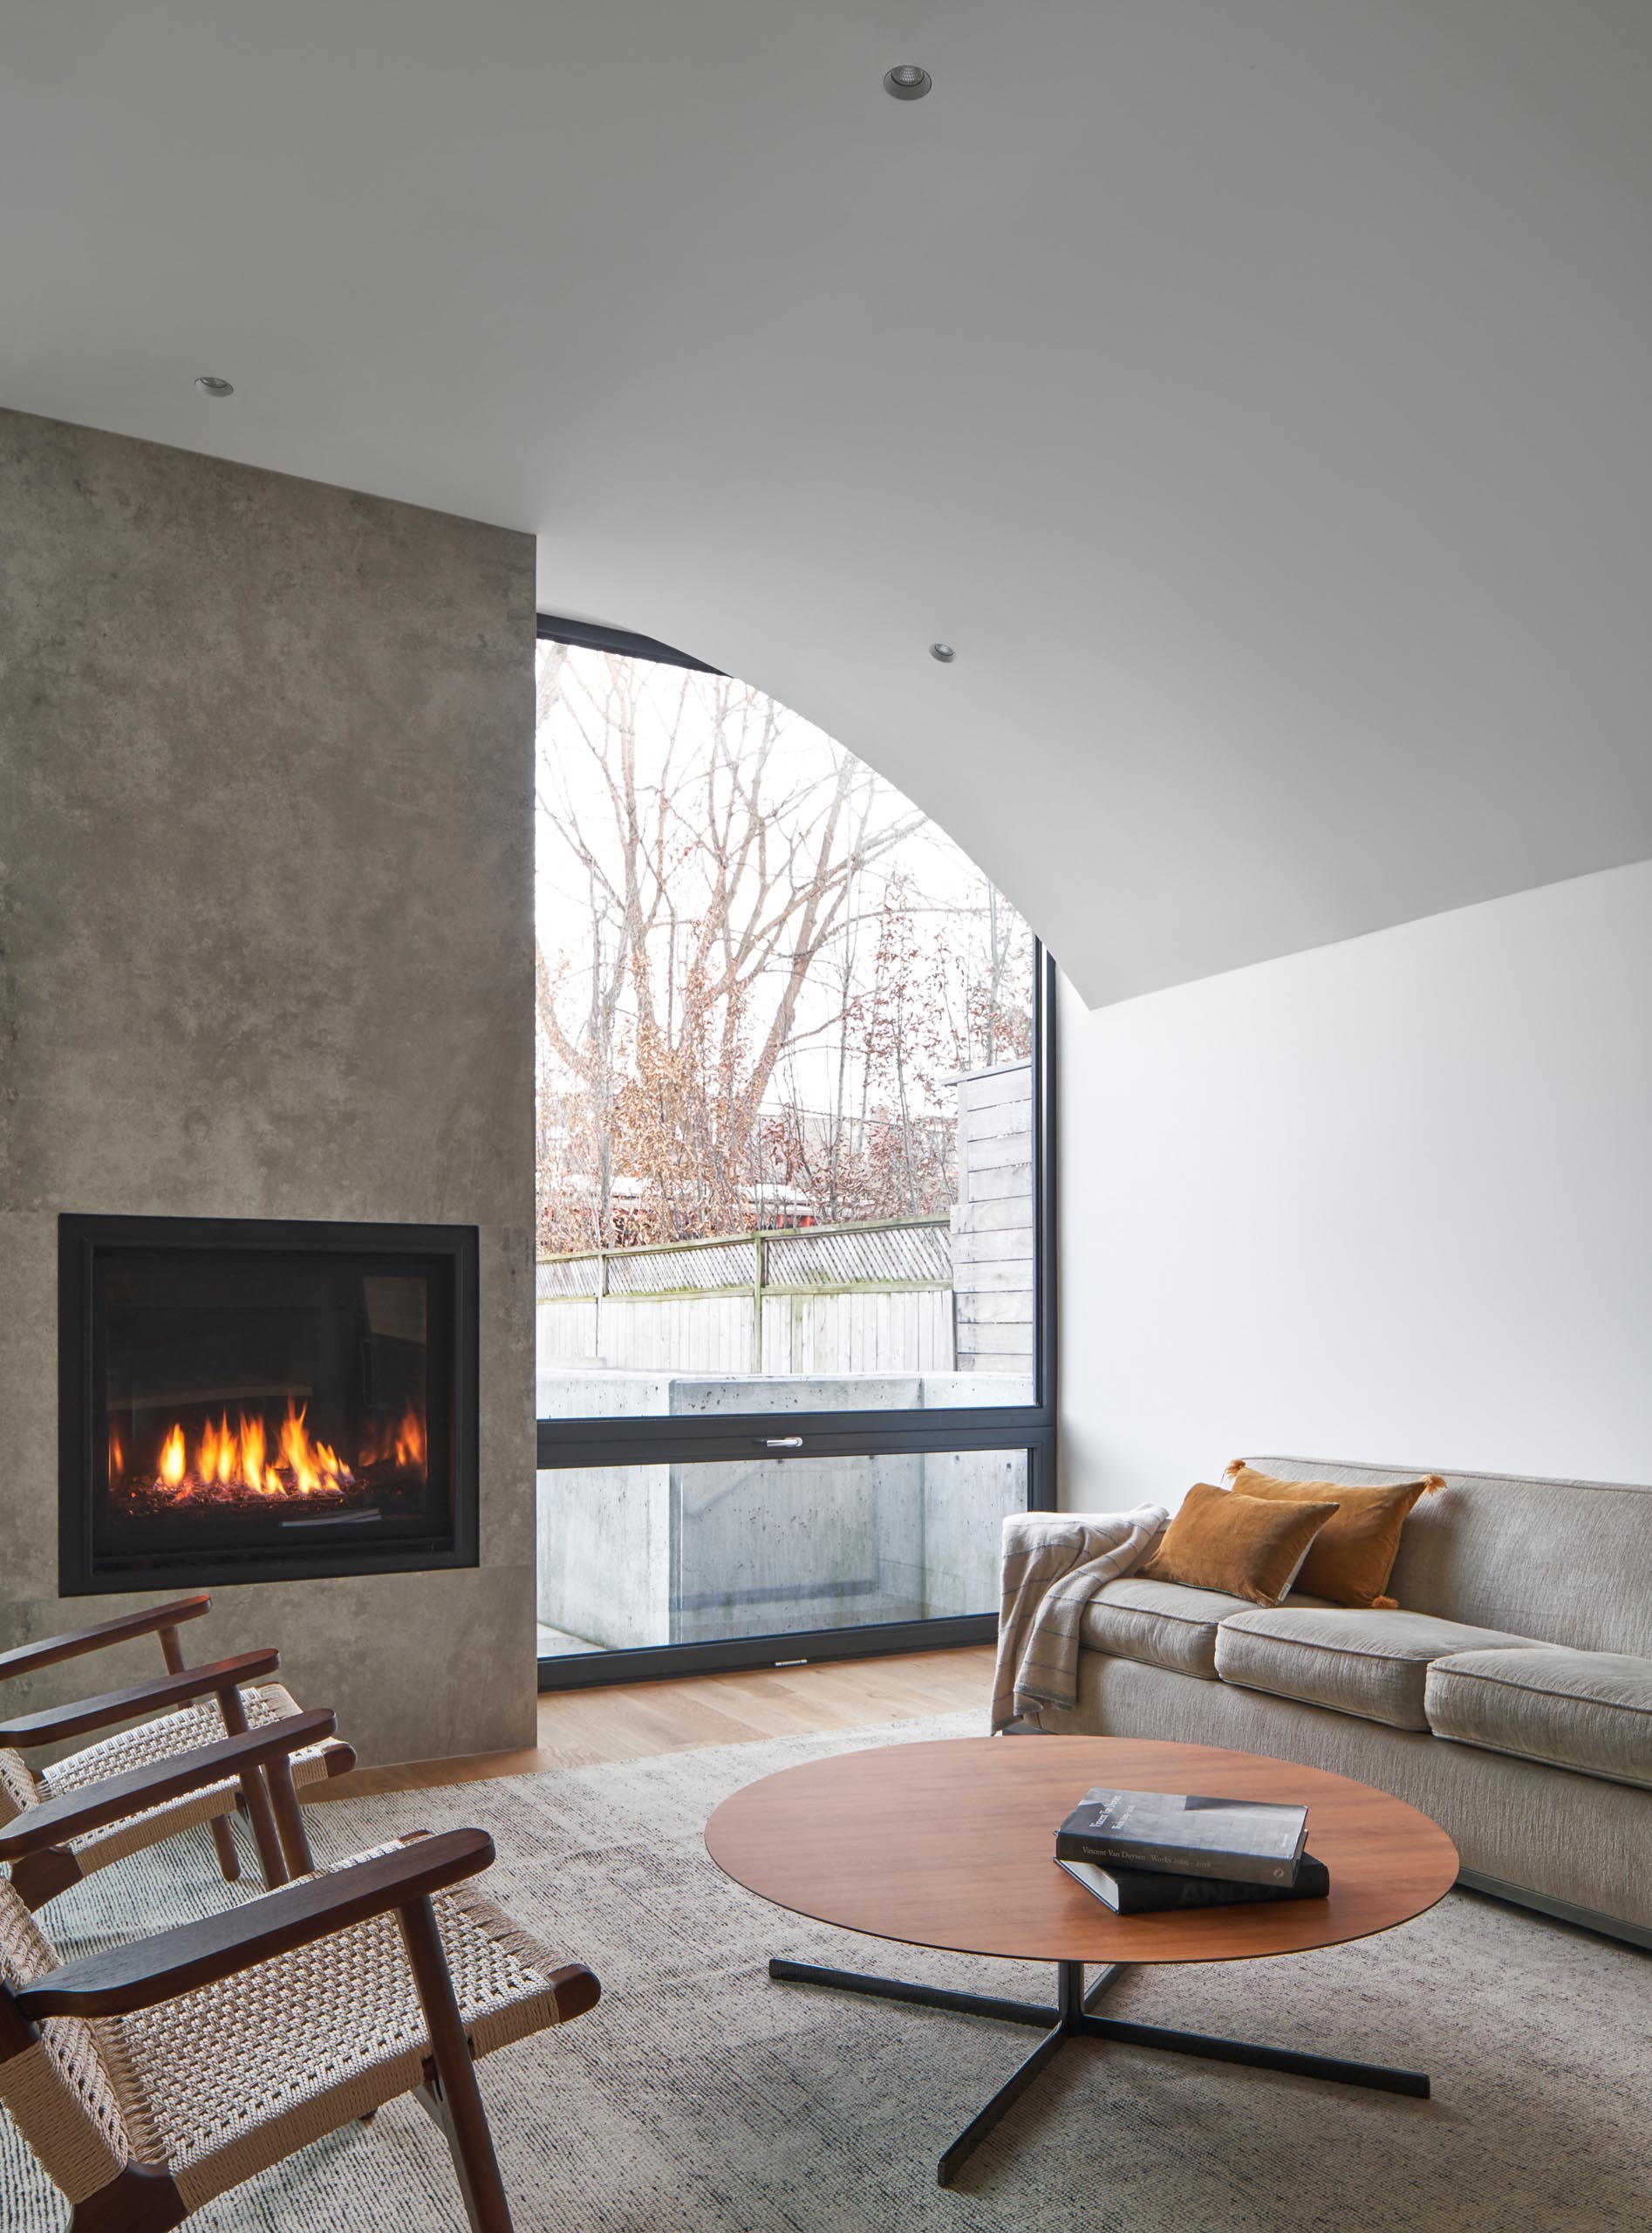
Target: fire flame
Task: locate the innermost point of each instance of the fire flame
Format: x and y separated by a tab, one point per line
313	1466
228	1464
230	1461
405	1443
410	1443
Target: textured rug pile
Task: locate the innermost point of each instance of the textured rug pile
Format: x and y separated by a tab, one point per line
699	2098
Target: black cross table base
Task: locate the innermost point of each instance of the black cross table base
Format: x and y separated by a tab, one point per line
1073	2018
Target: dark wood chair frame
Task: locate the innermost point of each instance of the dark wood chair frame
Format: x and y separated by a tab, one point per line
50	1870
125	1979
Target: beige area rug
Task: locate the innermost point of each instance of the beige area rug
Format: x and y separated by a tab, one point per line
699	2098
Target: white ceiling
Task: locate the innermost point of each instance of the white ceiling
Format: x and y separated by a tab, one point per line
1255	391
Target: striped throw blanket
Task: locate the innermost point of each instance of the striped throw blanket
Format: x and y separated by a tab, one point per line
1054	1562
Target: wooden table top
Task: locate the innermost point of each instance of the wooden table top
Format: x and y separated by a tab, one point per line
953	1845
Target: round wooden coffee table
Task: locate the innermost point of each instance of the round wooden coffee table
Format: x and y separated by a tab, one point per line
953	1844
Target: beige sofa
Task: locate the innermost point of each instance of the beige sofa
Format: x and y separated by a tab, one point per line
1511	1696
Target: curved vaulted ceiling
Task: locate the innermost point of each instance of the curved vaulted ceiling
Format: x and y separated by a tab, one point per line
1254	392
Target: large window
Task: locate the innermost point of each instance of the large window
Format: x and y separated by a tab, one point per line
793	1348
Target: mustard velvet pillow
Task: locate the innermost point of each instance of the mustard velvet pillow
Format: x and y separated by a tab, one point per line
1351	1558
1249	1547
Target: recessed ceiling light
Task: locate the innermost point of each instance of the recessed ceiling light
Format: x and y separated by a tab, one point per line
210	384
907	82
944	652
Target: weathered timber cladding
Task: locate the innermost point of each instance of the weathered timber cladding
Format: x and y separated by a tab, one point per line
993	1262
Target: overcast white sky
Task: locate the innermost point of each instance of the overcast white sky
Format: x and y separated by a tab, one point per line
948	882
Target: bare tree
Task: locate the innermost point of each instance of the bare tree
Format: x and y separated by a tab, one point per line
941	987
715	867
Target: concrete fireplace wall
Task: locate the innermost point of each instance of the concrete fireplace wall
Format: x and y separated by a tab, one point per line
266	920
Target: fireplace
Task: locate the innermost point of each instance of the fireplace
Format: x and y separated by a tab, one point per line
245	1400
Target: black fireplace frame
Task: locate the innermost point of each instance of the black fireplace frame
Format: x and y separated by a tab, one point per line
80	1237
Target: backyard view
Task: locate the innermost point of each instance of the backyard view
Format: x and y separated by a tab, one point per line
784	1131
760	969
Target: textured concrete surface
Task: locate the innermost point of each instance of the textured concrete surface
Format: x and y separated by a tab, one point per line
266	951
678	1553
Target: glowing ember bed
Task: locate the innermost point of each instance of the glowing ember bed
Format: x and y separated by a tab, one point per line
248	1399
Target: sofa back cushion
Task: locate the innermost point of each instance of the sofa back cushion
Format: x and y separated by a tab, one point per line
1566	1563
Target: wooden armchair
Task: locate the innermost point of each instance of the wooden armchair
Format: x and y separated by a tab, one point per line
150	2078
208	1704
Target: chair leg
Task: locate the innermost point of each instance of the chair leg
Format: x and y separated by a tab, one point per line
40	1876
255	1797
290	1821
224	1839
271	1860
429	2098
229	1858
140	2201
458	2108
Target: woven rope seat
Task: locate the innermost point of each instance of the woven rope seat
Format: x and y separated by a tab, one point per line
56	1824
193	1725
220	2084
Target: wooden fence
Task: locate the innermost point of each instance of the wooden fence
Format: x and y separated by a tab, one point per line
826	1300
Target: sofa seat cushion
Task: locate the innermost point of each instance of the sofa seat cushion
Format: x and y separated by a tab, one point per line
1371	1663
1160	1623
1591	1710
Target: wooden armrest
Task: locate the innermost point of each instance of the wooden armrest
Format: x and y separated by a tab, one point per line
95	1804
52	1649
141	1975
78	1720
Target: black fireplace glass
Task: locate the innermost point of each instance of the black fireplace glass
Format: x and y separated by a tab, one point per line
251	1400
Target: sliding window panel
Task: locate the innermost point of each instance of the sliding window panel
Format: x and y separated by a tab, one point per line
660	1557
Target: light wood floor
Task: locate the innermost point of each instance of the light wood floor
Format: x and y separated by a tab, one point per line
578	1729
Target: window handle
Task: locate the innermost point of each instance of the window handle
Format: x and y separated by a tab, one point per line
784	1442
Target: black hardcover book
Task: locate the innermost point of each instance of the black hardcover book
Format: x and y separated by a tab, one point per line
1149	1891
1245	1840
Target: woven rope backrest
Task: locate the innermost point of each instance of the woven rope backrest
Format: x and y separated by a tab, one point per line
17	1786
61	2092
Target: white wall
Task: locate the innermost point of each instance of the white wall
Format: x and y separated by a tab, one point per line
1389	1199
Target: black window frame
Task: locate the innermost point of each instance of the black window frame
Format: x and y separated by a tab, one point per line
564	1444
